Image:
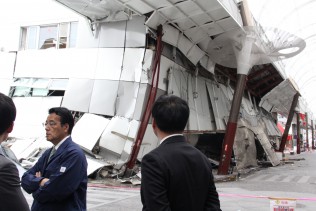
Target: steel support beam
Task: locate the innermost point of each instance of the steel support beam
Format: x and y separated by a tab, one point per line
151	98
289	122
313	135
229	138
306	123
298	139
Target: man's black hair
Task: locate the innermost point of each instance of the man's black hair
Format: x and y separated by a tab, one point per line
7	113
171	113
65	116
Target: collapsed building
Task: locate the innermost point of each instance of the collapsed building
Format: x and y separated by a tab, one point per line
108	60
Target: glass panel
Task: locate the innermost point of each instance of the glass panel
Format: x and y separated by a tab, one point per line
63	35
31	37
40	92
47	37
73	34
22	91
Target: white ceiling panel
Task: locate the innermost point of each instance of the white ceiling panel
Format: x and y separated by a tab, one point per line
189	8
196	34
212	29
139	6
227	24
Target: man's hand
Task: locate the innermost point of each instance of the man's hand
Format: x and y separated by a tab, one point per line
43	181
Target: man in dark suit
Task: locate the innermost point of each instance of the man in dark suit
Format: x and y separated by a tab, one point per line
58	181
176	176
11	196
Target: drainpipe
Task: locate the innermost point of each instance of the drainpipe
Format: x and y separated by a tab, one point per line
243	67
288	122
151	99
298	139
306	123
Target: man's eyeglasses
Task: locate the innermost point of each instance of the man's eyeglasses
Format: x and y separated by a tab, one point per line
50	124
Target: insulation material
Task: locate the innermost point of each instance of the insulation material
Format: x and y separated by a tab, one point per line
32	112
244	147
78	94
220	104
89	122
103	97
116	133
126	99
132	65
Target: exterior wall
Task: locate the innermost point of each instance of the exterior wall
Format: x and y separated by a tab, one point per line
108	74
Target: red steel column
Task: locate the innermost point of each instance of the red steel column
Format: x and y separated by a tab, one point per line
313	147
298	139
229	138
288	122
306	123
151	98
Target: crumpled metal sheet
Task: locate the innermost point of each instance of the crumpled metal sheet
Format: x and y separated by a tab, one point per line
220	104
118	130
89	122
280	98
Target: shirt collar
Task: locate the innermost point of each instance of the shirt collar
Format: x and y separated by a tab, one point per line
60	143
169	137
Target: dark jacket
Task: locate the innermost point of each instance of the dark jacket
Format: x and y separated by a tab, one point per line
11	196
67	186
176	176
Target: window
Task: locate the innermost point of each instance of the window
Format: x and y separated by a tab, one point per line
38	87
57	36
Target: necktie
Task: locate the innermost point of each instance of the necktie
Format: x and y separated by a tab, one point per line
52	152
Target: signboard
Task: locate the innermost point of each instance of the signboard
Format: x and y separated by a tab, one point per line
282	204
